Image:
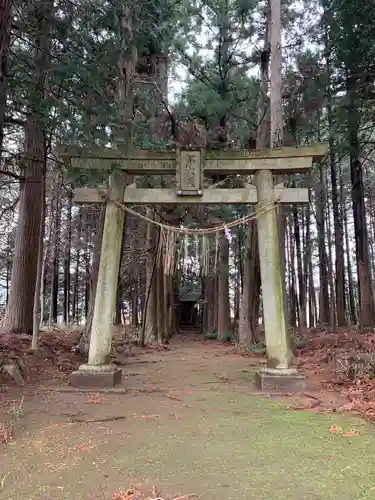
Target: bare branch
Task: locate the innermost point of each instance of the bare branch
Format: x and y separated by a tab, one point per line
9	208
14	121
11	174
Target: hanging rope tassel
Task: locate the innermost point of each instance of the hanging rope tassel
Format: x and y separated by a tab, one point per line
216	251
208	255
177	263
160	246
204	255
171	253
166	253
186	252
196	241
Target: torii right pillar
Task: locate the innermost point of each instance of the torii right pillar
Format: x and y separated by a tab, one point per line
278	375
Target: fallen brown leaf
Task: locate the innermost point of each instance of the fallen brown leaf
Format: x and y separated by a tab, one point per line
334	429
351	433
96	399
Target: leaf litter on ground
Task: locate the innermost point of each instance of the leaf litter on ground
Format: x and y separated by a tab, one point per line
347	359
335	429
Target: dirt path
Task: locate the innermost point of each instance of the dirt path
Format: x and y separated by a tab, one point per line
189	423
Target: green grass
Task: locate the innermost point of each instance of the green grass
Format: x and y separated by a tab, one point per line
248	448
226	446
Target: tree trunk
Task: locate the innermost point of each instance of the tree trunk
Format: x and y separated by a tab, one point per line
351	286
330	271
210	304
55	257
119	304
238	285
171	306
135	321
160	305
38	285
309	281
8	269
323	268
120	288
44	265
301	276
339	247
338	227
204	325
313	312
255	281
84	342
5	27
149	315
86	260
167	305
223	322
372	232
75	302
249	309
366	299
245	332
289	276
19	312
67	253
294	310
215	302
276	113
337	213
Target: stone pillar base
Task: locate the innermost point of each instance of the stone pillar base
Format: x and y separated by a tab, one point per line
279	380
96	376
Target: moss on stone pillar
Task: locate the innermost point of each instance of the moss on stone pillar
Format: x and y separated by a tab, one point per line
278	351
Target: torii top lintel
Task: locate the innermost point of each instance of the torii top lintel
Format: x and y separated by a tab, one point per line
230	161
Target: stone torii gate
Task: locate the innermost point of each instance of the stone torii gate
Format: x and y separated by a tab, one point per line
189	166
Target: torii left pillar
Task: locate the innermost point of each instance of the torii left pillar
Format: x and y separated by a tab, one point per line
99	372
